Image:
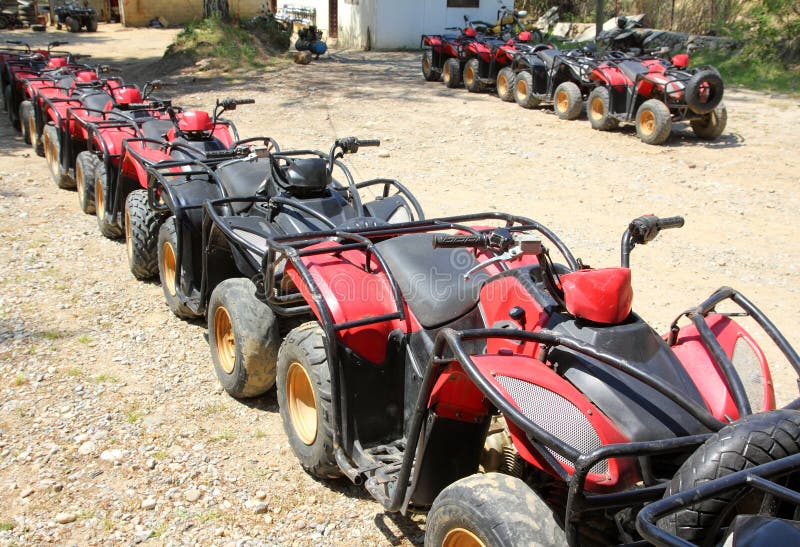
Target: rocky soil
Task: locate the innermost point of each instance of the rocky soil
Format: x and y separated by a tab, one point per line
113	428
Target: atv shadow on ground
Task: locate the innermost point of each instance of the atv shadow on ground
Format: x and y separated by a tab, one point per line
682	136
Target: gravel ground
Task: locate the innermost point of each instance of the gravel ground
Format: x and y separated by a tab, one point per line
113	428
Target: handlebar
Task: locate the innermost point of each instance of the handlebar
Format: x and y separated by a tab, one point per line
449	241
350	145
644	229
231	104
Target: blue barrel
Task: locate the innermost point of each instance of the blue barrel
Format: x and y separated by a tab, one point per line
318	48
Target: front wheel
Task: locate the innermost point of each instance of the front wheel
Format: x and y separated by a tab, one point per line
712	124
304	399
73	25
105	220
91	26
452	73
168	268
85	167
505	84
653	122
243	336
141	235
568	101
52	151
472	80
523	91
26	121
491	509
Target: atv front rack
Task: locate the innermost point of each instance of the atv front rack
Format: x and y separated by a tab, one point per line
763	477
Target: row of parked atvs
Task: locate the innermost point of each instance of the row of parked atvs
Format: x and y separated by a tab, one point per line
468	366
650	90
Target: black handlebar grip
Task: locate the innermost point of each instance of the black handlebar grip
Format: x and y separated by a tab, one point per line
443	240
244	101
137	106
369	142
670	222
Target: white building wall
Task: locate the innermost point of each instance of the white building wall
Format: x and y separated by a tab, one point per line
357	23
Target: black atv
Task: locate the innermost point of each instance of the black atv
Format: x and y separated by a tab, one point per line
210	252
75	17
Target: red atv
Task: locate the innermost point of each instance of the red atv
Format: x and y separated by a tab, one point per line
519	401
654	93
488	63
444	55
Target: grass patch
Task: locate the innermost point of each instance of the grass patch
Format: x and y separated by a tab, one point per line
229	46
53	334
224	435
159	530
20	379
75	372
759	74
259	434
211	515
85	339
133	413
6	525
100	378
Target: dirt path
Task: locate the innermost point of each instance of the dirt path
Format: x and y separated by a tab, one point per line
110	415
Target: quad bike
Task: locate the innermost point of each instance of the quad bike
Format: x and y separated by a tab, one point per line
518	401
443	55
487	58
211	252
28	64
777	521
75	17
507	26
654	93
121	188
543	73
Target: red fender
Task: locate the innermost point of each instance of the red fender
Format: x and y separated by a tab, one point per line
708	377
620	472
132	169
113	138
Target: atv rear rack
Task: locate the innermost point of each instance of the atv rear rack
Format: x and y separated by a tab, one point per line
762	477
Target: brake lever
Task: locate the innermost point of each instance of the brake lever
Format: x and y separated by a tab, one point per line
525	244
513	252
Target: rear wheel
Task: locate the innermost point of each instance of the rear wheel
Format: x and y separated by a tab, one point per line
451	73
599	110
653	122
105	221
26	120
472	80
141	235
753	440
304	399
73	25
85	166
429	72
523	91
491	509
13	113
568	101
243	336
167	268
91	26
505	84
52	150
712	125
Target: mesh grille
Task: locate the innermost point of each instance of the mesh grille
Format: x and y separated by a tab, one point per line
557	416
748	366
254	239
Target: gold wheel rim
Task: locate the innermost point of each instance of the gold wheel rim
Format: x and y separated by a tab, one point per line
469	76
79	181
128	234
562	101
447	72
52	159
426	64
32	130
502	85
99	199
461	537
598	108
302	403
522	89
168	267
647	122
226	343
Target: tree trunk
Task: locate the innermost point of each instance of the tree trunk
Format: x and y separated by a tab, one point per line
216	7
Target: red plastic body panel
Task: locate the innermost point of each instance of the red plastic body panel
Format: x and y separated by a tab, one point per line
127	95
681	60
455	396
621	472
708	377
497	297
195	120
351	293
504	54
480	50
134	170
603	296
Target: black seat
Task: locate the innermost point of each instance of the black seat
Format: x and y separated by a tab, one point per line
432	280
243	179
156	129
97	101
548	56
304	177
632	69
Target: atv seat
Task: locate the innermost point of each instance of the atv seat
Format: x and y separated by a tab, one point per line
633	69
243	178
156	129
97	101
432	280
304	177
548	56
